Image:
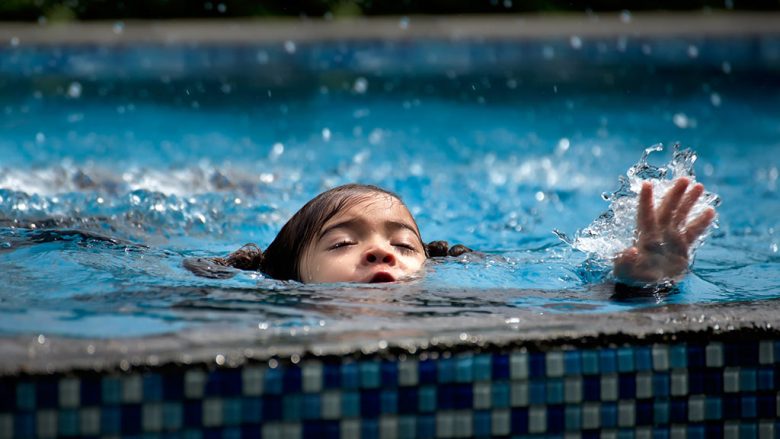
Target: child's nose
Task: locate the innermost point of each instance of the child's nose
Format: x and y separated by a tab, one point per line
376	256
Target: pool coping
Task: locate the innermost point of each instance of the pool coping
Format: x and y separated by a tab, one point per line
482	27
526	330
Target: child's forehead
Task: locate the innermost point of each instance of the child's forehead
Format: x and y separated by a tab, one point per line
376	207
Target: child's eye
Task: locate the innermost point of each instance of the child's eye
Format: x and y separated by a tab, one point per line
406	248
340	244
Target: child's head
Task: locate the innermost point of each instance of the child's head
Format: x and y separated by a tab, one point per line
351	233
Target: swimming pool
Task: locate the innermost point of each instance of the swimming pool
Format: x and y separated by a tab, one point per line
118	163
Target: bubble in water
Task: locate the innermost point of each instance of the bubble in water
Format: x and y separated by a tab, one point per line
726	67
14	41
575	42
261	57
715	100
625	16
548	52
681	120
693	51
360	86
326	134
118	27
277	150
403	23
40	137
289	47
74	90
222	8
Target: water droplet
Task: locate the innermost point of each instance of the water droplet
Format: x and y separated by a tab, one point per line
74	90
221	8
625	16
376	136
272	363
511	83
726	67
680	120
539	196
693	51
403	23
41	339
326	134
563	145
277	150
548	52
289	47
360	86
118	27
773	247
715	100
382	344
261	57
14	41
90	349
463	336
295	358
263	326
575	42
40	137
219	359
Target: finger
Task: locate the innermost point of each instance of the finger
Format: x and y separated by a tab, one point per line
625	261
699	225
671	200
687	203
645	217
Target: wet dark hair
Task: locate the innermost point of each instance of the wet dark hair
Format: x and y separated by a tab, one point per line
281	260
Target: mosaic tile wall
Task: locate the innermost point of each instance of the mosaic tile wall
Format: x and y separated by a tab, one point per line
686	390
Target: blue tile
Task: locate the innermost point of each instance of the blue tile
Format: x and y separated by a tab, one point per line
111	390
173	386
748	429
445	397
661	384
388	401
713	409
24	425
252	410
608	415
643	412
678	356
500	365
110	420
130	418
350	376
370	404
643	358
607	361
714	379
426	372
625	359
590	362
591	388
697	358
407	427
500	394
331	376
573	417
152	387
446	370
696	381
482	370
292	378
732	406
69	422
747	380
427	399
228	433
47	393
389	374
777	351
312	407
369	429
625	434
767	406
321	429
272	382
407	400
370	375
555	419
464	369
350	404
482	423
291	407
660	433
537	365
626	386
519	420
172	416
765	379
464	396
25	396
426	426
749	409
696	431
272	407
554	391
572	362
678	410
537	392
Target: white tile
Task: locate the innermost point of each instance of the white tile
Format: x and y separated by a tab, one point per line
500	422
89	418
696	408
518	366
445	424
194	382
626	411
537	419
678	432
291	430
46	423
350	429
388	427
644	385
554	364
252	380
519	394
6	425
482	395
572	435
731	430
132	388
273	430
70	392
660	357
731	379
572	390
766	352
608	434
590	415
463	423
212	412
609	390
643	433
331	404
408	373
679	382
151	417
766	430
714	354
311	376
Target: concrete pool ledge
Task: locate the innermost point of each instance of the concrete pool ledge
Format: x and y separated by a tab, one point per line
523	330
482	27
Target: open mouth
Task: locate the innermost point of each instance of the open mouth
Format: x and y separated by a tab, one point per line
382	276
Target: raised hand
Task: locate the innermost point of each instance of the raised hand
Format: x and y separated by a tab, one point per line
664	236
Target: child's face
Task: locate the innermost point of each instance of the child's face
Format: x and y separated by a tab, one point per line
375	240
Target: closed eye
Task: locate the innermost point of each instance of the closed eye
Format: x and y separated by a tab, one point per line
405	248
340	244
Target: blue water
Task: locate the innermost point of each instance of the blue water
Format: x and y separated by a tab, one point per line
118	163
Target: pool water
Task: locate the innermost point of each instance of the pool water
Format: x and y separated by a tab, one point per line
117	164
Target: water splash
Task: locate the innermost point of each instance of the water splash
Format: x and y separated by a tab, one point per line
613	231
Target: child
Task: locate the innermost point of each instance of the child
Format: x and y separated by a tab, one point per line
362	233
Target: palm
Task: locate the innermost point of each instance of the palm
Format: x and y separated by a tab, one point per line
664	235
